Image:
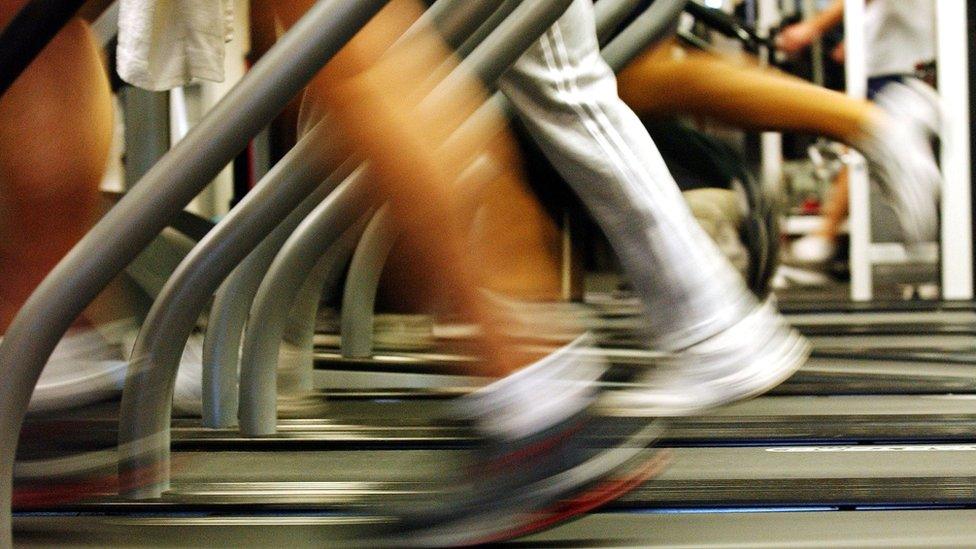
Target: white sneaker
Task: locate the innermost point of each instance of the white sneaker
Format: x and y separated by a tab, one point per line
748	359
900	153
915	101
87	366
813	250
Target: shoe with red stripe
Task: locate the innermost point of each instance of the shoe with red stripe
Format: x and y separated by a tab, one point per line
545	457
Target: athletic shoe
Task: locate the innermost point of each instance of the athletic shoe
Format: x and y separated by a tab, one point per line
915	101
545	457
789	277
743	361
89	365
899	151
812	250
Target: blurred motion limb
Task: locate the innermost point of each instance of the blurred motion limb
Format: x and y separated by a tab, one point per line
378	98
54	141
836	208
671	79
801	35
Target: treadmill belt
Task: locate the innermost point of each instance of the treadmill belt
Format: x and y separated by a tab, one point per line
829	528
834	475
371	424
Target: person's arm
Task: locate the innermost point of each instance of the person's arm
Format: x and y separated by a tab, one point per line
829	18
800	35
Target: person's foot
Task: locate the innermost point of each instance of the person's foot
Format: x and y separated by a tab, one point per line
743	361
87	366
812	250
90	365
914	101
545	457
791	277
899	150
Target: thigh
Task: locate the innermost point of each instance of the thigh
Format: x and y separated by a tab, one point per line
56	123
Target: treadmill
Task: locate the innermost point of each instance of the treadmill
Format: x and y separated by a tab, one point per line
781	470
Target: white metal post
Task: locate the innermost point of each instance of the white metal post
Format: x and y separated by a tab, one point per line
953	63
771	142
809	9
191	104
860	192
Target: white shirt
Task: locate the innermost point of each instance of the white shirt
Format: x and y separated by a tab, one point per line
899	34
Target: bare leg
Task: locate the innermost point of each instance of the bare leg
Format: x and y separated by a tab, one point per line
671	79
55	132
835	210
377	104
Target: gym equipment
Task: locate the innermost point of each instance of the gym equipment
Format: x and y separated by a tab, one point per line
755	465
143	212
698	160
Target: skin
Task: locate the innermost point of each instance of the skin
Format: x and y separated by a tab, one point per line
739	92
54	143
836	208
792	40
799	36
376	99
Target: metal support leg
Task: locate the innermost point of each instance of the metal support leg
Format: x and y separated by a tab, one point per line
490	24
656	23
146	130
610	14
295	367
221	346
259	354
859	219
957	193
146	399
359	296
456	19
225	326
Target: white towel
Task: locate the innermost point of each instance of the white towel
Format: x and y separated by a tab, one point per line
164	44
